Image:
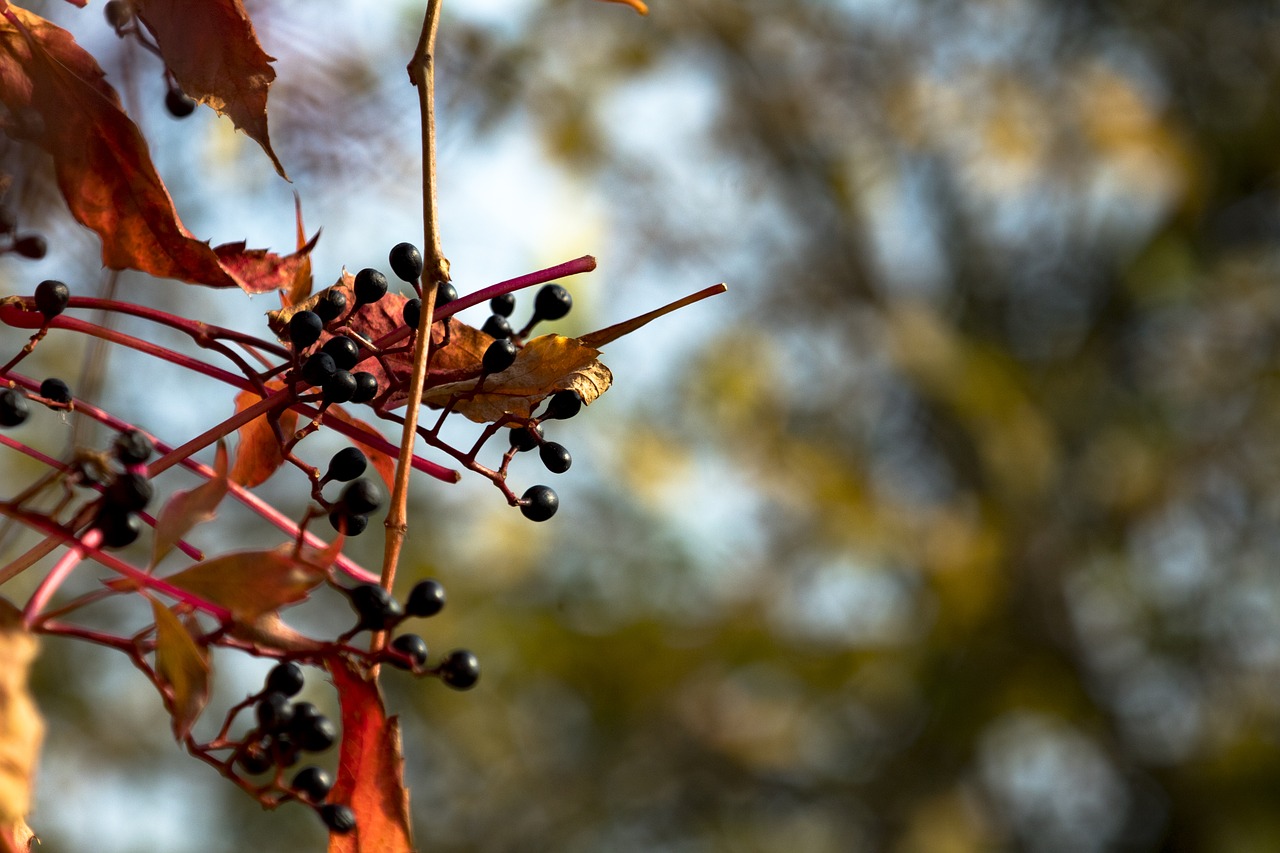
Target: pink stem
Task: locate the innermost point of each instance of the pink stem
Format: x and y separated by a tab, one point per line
59	573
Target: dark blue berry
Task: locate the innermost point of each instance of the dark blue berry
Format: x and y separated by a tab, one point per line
406	262
552	302
366	387
361	497
273	712
339	818
285	679
503	305
412	649
348	524
539	503
460	669
500	355
312	784
339	387
13	407
330	305
304	329
370	286
31	246
375	607
178	104
412	313
51	297
426	599
445	293
318	368
564	405
130	492
119	527
55	390
555	456
347	464
132	447
345	352
526	438
496	327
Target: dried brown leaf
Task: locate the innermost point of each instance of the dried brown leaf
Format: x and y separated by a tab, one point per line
182	665
251	583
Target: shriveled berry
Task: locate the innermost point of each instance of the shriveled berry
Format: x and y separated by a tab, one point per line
312	784
255	759
412	649
13	407
318	368
345	351
178	104
56	390
119	527
460	669
314	734
500	355
273	712
552	302
496	327
375	607
31	246
339	818
539	503
503	304
347	464
406	262
427	598
556	457
564	405
412	313
445	293
285	678
132	447
330	305
526	438
366	387
370	286
52	297
361	497
348	524
304	329
129	492
339	387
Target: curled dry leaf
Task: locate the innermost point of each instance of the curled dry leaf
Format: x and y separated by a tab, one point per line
21	729
184	510
182	666
252	583
258	454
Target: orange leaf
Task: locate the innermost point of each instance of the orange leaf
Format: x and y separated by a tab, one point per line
370	768
638	5
300	289
260	271
213	52
183	665
258	454
251	583
184	510
21	728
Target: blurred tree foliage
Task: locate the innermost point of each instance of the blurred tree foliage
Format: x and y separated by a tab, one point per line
958	528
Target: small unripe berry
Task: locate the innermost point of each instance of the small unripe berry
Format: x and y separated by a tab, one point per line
345	352
31	246
312	784
318	368
178	104
406	262
412	649
426	599
503	305
304	329
539	503
52	297
285	679
132	447
55	390
460	669
412	313
370	286
340	387
526	438
556	457
500	355
347	464
13	407
564	405
496	327
339	818
366	387
552	302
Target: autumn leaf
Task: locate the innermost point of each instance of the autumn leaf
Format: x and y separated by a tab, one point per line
300	288
251	583
21	729
638	5
182	665
214	54
370	767
260	271
184	510
258	454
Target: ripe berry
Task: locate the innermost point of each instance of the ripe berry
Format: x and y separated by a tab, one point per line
339	818
500	355
304	329
496	327
129	492
55	390
460	669
347	464
284	751
445	293
552	302
425	599
375	607
318	368
178	104
274	713
345	351
31	246
313	733
503	305
13	407
255	759
412	649
51	298
412	313
312	784
348	524
526	438
406	262
330	305
119	527
370	286
366	387
564	405
556	457
539	503
132	447
285	679
340	387
361	497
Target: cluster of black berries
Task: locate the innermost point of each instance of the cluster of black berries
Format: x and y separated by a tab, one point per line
539	503
359	499
51	298
551	303
286	729
126	493
32	246
377	610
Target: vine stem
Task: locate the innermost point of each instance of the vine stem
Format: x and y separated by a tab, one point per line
435	270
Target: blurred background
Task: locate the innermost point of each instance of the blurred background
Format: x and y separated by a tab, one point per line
953	526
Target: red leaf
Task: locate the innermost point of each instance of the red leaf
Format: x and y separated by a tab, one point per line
258	454
184	510
182	665
370	768
213	52
260	271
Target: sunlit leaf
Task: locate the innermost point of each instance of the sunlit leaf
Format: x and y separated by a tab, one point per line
300	288
638	5
258	454
370	768
21	728
183	665
251	583
214	54
260	271
184	510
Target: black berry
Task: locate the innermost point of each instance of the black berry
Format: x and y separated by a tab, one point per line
132	447
555	456
13	407
312	784
539	503
348	524
274	713
52	297
347	464
552	302
503	305
129	492
496	327
31	246
366	387
345	352
119	527
55	390
361	497
445	293
375	607
304	329
340	387
255	759
460	669
339	818
330	305
412	313
117	13
500	355
564	405
412	649
406	262
313	733
370	286
178	104
285	679
318	368
526	438
425	599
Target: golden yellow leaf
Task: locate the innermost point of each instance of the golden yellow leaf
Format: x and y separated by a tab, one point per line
21	728
183	665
